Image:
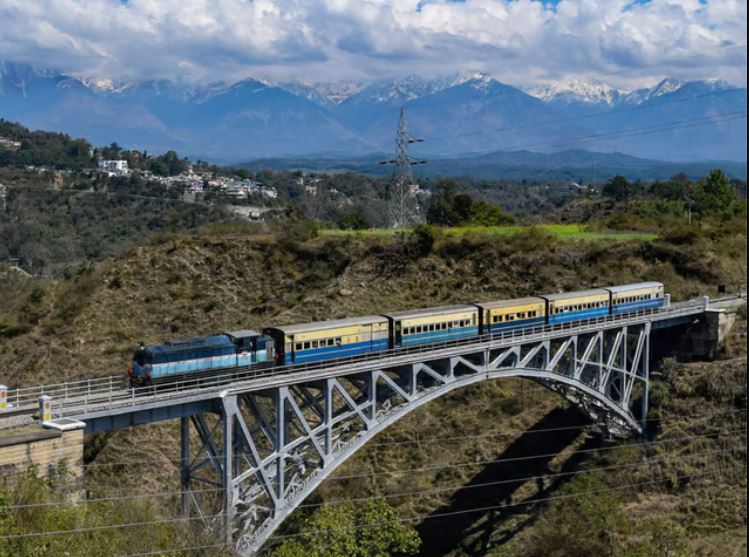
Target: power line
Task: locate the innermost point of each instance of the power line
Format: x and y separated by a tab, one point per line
589	116
339	502
507	505
519	480
646	130
165	494
634	132
436	467
443	515
614	111
522	458
440	440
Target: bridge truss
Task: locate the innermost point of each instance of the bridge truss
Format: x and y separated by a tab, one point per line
267	450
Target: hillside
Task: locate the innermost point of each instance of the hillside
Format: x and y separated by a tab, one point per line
186	286
224	278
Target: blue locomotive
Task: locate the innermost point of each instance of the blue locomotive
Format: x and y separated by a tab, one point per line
310	342
200	356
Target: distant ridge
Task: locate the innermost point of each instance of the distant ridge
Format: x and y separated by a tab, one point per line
459	114
573	165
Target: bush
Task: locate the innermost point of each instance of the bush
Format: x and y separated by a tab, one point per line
353	220
422	239
365	529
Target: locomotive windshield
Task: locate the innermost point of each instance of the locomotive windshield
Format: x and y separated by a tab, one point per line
141	357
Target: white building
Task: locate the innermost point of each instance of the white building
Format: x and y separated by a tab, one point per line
115	166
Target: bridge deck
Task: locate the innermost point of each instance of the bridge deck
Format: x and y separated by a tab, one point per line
109	397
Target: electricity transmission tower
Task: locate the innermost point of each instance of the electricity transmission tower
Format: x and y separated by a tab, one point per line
403	206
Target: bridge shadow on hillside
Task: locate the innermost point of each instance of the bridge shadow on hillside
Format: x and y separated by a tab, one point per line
473	532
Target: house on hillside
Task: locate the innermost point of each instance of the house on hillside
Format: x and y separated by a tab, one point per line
117	167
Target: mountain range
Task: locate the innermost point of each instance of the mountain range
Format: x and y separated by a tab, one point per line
463	114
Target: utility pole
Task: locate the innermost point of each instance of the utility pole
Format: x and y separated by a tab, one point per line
403	206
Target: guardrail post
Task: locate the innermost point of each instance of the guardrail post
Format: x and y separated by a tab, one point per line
45	409
3	398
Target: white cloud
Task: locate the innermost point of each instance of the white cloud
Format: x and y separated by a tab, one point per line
522	41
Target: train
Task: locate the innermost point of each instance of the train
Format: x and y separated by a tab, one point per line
289	345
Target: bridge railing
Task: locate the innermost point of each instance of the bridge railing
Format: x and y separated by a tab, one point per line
25	397
82	396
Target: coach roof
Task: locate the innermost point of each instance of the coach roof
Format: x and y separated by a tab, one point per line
635	286
578	294
428	312
332	324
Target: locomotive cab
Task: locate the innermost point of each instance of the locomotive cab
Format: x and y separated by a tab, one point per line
141	368
252	347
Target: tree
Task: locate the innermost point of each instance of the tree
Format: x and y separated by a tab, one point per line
442	207
112	152
353	220
677	188
485	214
620	189
463	208
714	195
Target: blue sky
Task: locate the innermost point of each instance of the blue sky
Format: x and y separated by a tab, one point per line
525	42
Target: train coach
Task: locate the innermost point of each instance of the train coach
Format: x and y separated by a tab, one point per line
505	315
323	340
634	297
427	326
574	306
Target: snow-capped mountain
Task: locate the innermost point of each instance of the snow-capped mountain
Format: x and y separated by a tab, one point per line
306	90
467	112
336	92
577	91
402	90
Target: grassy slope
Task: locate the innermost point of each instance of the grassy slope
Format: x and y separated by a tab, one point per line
192	285
565	231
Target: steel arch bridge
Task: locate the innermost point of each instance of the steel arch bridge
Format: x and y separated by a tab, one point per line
262	440
269	449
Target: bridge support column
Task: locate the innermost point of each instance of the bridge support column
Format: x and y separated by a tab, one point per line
646	381
184	428
280	441
229	411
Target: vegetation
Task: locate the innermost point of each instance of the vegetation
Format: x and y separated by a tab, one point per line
449	208
40	148
712	196
569	231
127	268
362	529
56	232
39	517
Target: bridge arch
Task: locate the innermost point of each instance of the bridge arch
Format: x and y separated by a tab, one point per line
275	446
